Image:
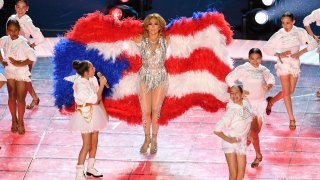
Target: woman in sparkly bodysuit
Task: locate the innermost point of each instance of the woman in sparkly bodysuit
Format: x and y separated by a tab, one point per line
153	77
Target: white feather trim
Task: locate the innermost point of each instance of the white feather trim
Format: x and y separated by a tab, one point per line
128	85
72	78
112	50
197	82
179	47
179	85
210	37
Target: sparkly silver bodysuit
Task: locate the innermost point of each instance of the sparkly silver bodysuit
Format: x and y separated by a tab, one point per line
152	72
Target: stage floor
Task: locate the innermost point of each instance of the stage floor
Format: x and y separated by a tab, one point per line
187	147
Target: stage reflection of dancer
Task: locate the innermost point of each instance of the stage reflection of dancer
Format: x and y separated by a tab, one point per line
237	120
89	117
257	80
18	55
285	44
27	30
153	77
311	18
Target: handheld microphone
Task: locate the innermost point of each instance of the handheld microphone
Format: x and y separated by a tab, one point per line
99	74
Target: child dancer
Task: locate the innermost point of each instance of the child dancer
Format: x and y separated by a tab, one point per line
285	44
18	56
257	80
27	30
313	17
237	120
90	117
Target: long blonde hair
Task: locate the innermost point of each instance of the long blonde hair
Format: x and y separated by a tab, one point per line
146	22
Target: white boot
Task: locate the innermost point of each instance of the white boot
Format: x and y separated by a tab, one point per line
91	171
80	174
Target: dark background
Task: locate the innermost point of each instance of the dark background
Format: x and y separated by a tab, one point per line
55	17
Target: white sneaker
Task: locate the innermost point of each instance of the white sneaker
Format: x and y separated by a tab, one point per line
80	175
93	172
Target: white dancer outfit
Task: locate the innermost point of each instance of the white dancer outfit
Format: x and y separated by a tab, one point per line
85	93
19	50
283	41
313	17
237	121
252	79
28	29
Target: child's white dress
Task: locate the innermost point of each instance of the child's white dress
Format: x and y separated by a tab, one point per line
85	91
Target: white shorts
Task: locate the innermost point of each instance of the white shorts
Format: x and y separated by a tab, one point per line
288	66
259	108
237	148
17	73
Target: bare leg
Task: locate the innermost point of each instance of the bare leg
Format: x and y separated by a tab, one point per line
277	97
288	83
157	97
103	108
86	147
2	83
293	83
91	171
94	144
21	100
145	103
29	86
12	103
241	162
272	100
255	130
232	165
31	91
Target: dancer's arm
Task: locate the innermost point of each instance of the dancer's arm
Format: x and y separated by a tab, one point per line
223	123
269	78
313	17
305	39
34	31
20	63
235	75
